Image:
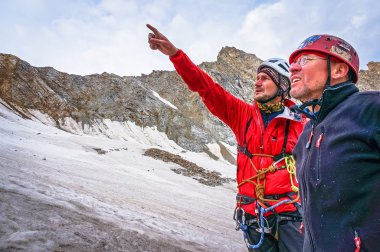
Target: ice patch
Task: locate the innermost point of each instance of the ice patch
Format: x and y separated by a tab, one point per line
163	100
44	118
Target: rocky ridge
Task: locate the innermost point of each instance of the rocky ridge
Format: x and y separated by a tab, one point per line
90	99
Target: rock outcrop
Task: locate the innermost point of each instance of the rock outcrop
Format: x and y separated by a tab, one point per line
159	99
370	79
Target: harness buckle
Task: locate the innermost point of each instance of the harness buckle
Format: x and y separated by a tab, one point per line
244	200
267	230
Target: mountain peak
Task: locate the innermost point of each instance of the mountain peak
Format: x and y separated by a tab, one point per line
159	100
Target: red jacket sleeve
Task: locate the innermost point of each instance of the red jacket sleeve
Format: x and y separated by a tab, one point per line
221	103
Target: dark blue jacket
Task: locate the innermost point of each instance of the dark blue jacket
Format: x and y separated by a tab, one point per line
338	170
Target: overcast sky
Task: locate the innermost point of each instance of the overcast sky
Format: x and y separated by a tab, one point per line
96	36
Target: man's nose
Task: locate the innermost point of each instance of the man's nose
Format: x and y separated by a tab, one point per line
295	67
258	83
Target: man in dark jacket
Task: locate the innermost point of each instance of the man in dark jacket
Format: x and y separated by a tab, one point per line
338	153
266	132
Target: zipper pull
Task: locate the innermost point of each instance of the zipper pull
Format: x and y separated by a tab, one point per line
308	144
301	228
320	138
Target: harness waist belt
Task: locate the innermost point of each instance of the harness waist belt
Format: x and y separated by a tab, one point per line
245	200
251	219
279	196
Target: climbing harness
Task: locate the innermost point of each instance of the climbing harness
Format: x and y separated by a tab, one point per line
262	200
262	223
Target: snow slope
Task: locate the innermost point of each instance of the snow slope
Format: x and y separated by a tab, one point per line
87	192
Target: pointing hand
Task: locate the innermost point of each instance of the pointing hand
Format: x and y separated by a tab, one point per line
157	41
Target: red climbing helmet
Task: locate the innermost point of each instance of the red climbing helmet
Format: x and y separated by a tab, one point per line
333	46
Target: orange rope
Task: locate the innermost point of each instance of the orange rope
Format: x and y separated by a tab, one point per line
262	155
261	176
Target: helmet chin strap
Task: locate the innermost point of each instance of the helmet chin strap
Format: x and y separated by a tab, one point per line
328	81
278	93
312	103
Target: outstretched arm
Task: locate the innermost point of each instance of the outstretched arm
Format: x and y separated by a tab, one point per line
221	103
157	41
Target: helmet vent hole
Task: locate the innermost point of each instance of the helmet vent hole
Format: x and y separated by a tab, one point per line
285	69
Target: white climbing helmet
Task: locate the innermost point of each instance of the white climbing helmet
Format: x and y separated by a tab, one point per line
282	78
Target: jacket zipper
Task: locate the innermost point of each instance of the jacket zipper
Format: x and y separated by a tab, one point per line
308	146
317	145
261	130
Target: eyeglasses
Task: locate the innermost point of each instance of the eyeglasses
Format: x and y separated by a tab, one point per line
304	59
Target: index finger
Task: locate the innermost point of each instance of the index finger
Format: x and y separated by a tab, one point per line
153	29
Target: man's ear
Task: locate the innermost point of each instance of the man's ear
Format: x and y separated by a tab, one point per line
339	70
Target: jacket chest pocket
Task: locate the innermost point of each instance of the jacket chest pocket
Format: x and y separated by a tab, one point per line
318	157
254	140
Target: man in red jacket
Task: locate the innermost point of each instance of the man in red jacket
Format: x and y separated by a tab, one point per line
266	132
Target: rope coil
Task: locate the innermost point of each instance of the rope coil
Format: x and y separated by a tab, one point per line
260	176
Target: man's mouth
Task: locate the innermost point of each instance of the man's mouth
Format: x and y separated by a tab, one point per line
295	80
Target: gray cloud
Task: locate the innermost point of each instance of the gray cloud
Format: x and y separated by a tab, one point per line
84	37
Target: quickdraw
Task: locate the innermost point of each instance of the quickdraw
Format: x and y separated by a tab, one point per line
262	220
